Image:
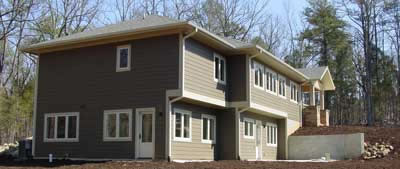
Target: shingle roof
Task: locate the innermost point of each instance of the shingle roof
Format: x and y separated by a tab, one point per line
236	43
149	21
313	73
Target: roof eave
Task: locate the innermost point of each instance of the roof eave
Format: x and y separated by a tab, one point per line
35	48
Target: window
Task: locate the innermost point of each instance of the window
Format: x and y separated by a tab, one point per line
117	125
282	86
61	127
249	128
208	124
219	68
294	93
271	81
272	134
124	58
259	75
183	125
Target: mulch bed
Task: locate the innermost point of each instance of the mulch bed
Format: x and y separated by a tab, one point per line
372	134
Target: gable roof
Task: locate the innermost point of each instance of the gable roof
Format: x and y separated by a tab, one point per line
320	73
153	23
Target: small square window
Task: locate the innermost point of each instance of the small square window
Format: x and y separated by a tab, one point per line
124	58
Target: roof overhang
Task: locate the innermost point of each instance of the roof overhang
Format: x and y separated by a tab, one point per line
159	30
275	63
105	38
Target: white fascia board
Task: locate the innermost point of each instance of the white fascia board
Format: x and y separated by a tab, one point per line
269	110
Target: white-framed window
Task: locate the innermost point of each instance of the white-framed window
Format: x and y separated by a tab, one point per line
282	86
123	58
294	92
117	125
259	75
272	134
61	127
219	68
249	125
183	125
208	125
270	81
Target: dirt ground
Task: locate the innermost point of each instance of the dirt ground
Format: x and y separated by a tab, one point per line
391	135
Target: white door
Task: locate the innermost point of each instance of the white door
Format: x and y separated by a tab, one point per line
258	140
145	133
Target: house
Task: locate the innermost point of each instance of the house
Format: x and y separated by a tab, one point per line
160	88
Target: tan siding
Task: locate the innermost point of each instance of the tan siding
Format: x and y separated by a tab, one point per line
194	150
264	98
199	71
248	146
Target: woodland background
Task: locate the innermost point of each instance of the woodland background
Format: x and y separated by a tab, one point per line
358	39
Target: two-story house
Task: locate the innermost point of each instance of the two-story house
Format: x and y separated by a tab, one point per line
161	88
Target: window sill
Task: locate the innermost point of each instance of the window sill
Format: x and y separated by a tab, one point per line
271	92
272	145
281	96
207	141
117	139
249	137
123	69
182	139
293	101
259	87
60	140
220	81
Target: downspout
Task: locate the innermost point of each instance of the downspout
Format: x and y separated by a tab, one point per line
35	109
181	89
237	111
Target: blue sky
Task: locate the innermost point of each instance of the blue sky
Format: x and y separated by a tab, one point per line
277	6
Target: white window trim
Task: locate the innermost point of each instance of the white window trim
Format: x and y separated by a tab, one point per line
208	128
117	112
183	139
220	57
276	76
244	128
122	69
258	66
267	133
56	115
284	86
296	92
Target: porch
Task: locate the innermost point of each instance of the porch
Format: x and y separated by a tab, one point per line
313	95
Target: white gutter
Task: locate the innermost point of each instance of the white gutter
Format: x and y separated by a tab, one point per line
237	111
182	65
35	109
181	89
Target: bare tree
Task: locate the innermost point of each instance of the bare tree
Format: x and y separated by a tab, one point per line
63	17
12	14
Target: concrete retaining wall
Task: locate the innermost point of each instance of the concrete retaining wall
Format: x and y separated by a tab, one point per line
340	147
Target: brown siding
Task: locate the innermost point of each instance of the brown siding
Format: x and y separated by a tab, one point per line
264	98
85	80
226	135
199	71
195	149
248	146
237	78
